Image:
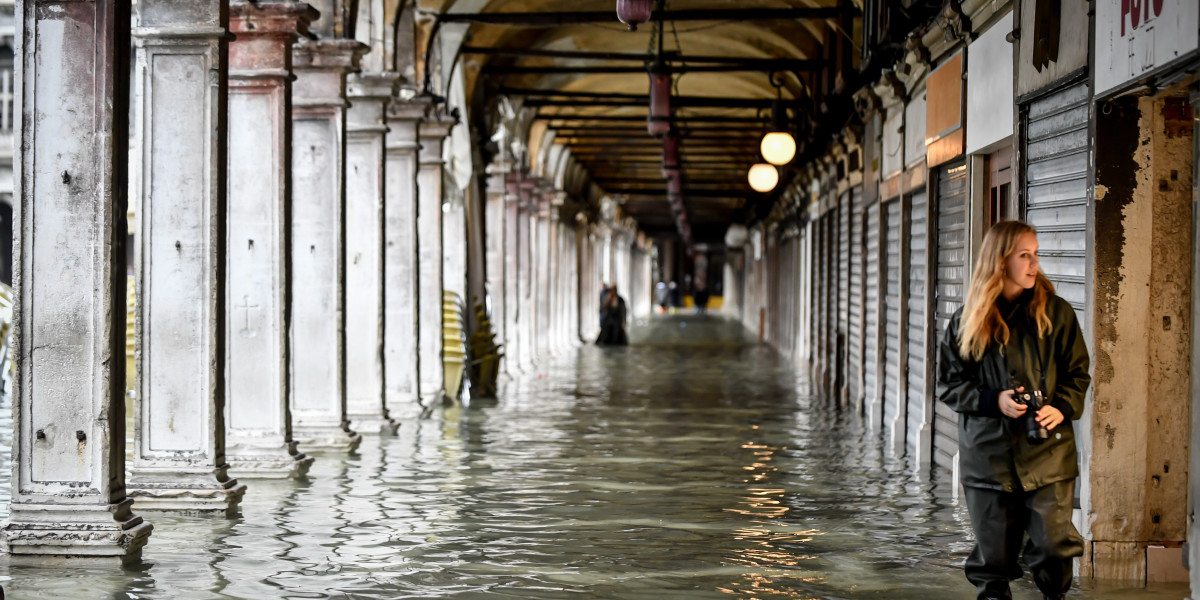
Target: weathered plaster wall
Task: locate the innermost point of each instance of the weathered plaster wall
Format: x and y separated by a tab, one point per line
1142	328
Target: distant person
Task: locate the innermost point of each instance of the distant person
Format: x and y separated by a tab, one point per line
661	297
673	296
612	320
701	298
1014	366
603	295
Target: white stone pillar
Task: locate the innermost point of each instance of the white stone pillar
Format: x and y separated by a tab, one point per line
542	265
433	133
525	273
179	426
68	439
365	192
512	261
257	418
401	284
318	364
454	249
495	244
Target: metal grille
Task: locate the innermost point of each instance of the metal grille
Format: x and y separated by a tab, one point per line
855	335
871	310
918	264
950	289
1056	165
892	312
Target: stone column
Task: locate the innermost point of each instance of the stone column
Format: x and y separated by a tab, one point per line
512	261
365	191
542	282
525	273
179	450
68	438
318	384
433	133
495	243
258	420
554	289
400	293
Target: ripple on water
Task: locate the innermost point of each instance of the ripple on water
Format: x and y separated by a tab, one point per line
691	466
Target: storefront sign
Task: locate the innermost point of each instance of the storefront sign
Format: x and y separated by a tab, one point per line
1135	37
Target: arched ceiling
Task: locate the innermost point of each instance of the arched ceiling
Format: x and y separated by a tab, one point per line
584	74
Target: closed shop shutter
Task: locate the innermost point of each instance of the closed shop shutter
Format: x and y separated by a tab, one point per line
918	398
892	409
831	298
854	336
1056	166
843	275
871	313
950	289
822	298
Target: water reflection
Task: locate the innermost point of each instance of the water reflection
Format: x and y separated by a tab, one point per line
689	465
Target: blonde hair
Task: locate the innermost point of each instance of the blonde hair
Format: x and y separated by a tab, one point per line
981	321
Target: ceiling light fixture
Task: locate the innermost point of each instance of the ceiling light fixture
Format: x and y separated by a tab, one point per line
634	12
763	177
778	146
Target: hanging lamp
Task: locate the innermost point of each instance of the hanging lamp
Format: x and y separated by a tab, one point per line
634	12
659	121
778	146
763	177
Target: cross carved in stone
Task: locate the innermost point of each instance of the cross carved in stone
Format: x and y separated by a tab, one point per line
248	331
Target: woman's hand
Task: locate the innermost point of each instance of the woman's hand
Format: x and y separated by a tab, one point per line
1010	408
1050	417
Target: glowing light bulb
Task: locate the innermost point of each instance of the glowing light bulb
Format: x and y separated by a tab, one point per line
763	177
778	147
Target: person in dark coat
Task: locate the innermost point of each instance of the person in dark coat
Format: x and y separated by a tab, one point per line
1012	336
612	320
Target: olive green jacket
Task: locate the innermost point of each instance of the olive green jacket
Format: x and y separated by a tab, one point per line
993	452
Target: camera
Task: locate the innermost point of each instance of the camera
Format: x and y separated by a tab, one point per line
1035	433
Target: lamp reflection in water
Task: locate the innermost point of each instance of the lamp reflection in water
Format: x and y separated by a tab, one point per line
772	568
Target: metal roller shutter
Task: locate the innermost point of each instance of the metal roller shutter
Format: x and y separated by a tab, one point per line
918	282
950	289
1056	166
822	301
855	335
871	314
843	275
829	249
892	409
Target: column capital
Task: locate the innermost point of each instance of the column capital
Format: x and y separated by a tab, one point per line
324	65
414	108
265	34
267	19
329	54
380	86
438	126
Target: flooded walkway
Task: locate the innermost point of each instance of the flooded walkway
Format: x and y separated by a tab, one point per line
688	465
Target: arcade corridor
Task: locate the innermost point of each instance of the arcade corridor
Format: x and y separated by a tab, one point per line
644	473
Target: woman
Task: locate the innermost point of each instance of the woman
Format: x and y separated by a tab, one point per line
612	319
1014	337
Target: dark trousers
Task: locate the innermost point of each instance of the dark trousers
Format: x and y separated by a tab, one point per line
1002	520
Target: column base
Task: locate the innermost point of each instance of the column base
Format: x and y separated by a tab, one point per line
404	407
329	437
39	534
374	424
267	462
190	492
431	401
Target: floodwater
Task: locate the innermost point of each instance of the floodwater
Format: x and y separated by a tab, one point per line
689	465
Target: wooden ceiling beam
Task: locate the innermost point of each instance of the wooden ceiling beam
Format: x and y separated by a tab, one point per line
608	16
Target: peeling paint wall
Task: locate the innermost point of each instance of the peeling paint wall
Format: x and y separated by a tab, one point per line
1142	331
